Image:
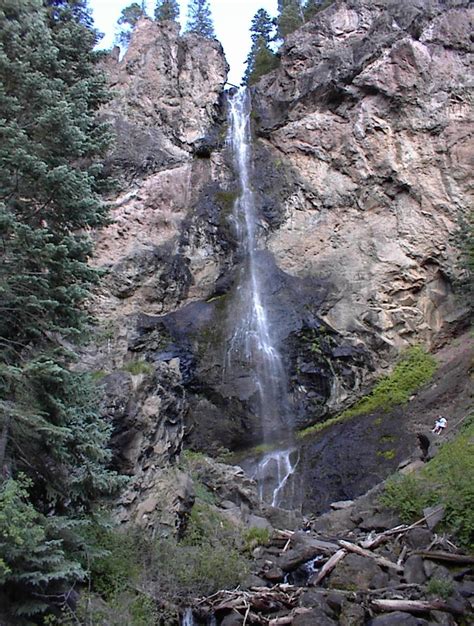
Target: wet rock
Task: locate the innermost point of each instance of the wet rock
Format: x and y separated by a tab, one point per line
342	504
273	574
233	619
466	588
355	572
315	616
281	518
315	598
352	614
291	559
442	618
414	571
397	618
418	538
378	520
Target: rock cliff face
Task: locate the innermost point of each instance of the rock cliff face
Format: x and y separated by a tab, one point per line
371	109
361	173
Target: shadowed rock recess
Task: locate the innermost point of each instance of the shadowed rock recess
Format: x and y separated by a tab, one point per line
361	167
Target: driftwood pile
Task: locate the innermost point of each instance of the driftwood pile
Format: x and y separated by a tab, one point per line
279	604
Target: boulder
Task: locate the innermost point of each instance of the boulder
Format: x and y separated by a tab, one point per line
398	618
356	572
312	617
352	614
414	571
418	538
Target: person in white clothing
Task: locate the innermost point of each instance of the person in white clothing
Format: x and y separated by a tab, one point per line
440	425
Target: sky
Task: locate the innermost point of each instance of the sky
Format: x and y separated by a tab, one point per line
232	20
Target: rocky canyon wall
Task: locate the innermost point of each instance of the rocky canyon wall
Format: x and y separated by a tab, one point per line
372	109
361	173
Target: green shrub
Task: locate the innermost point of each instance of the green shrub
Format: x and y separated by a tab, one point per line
138	367
387	454
226	199
407	496
254	537
208	558
203	493
440	588
191	456
120	562
446	479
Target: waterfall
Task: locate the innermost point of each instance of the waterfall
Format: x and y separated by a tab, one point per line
188	618
252	347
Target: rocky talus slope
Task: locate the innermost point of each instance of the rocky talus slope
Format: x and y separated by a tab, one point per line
361	170
355	566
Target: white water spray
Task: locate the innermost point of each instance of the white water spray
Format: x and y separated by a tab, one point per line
188	618
252	347
273	475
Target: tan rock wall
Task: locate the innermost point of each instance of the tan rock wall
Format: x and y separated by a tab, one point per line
383	169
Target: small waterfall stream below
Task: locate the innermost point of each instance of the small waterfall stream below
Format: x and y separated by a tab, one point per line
252	346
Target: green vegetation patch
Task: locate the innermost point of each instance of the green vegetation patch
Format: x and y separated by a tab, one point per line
440	588
210	556
138	367
254	537
415	368
226	199
446	479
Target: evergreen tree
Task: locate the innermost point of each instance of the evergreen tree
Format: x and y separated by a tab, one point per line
128	20
261	59
200	19
50	430
290	17
314	6
166	10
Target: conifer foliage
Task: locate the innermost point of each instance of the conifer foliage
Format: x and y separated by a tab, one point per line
290	16
200	18
53	445
128	20
166	10
261	59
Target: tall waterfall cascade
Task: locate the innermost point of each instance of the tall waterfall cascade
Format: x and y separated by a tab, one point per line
252	346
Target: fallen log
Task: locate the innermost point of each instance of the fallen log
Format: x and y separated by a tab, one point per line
397	530
382	561
415	606
328	567
402	556
439	555
260	599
